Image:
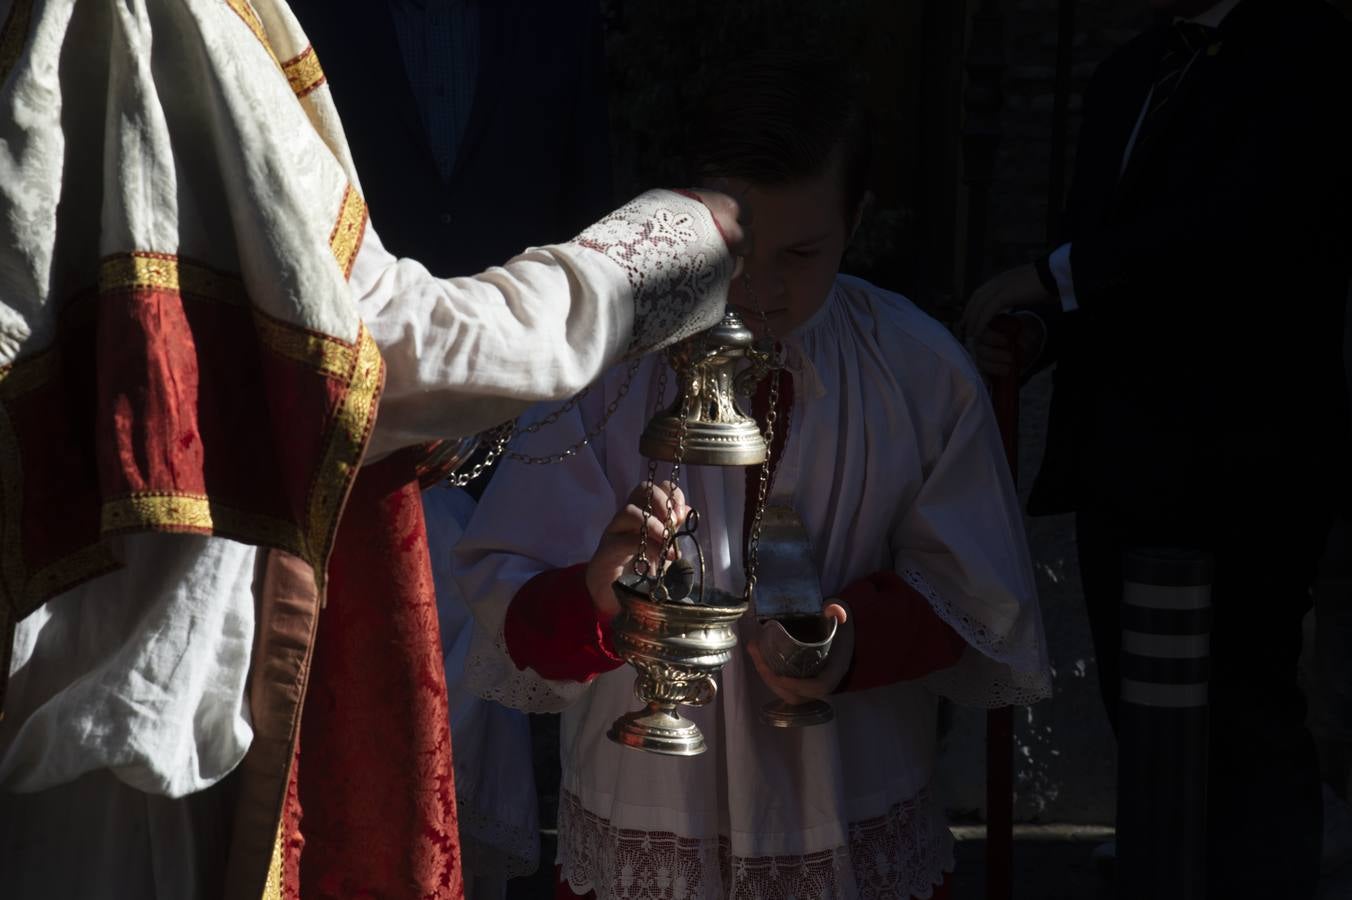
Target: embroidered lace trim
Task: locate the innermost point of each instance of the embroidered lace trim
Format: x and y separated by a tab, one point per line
674	258
902	854
491	674
491	847
997	675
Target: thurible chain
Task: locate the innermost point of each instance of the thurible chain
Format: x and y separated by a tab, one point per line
503	435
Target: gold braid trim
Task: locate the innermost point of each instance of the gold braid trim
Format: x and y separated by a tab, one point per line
343	452
304	72
130	271
14	34
142	270
194	513
186	512
244	9
328	355
346	238
272	888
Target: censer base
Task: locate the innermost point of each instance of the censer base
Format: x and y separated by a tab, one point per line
658	730
801	715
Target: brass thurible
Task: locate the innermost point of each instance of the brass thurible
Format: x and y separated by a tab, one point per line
717	432
675	630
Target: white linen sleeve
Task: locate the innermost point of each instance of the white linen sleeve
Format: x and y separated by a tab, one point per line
465	354
961	545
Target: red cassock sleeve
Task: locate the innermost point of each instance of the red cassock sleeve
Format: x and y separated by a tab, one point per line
553	628
897	635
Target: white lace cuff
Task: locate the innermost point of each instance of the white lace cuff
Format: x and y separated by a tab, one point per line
677	263
997	669
491	674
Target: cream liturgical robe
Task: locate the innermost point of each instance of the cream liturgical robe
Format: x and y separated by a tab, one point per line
192	147
893	461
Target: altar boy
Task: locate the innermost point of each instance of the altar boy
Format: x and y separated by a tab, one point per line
887	448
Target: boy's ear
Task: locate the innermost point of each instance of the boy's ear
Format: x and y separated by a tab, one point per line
864	203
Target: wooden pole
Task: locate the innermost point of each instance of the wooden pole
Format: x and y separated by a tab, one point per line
1000	722
983	103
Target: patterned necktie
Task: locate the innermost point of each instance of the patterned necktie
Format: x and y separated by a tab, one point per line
1186	42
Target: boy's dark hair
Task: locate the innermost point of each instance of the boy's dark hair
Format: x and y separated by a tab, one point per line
783	117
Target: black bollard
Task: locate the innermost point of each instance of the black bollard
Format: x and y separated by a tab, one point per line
1162	725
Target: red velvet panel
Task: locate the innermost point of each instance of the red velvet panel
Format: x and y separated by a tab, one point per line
376	790
897	635
552	627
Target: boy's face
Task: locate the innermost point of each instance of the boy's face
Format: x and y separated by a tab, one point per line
798	236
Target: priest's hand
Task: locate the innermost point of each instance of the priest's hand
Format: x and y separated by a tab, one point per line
1017	287
796	691
730	219
616	551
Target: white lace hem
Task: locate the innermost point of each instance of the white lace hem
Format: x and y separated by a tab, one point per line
492	848
903	854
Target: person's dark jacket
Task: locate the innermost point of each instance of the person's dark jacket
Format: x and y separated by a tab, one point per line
533	166
1205	360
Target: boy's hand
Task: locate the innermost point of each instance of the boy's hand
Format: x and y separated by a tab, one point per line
619	544
820	686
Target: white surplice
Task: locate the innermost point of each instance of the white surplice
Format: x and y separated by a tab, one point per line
894	461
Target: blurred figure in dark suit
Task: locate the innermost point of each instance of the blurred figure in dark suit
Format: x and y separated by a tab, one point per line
477	126
1196	318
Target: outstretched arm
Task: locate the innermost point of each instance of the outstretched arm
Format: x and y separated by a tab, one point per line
465	354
